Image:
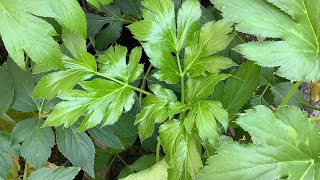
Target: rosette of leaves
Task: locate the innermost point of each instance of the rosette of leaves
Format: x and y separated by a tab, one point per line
286	145
185	54
295	26
105	27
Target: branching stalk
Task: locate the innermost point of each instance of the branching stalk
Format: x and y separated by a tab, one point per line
8	119
290	94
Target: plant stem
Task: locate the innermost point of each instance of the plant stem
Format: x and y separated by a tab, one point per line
27	61
143	84
120	158
25	172
182	82
158	150
315	119
125	84
8	119
291	92
310	106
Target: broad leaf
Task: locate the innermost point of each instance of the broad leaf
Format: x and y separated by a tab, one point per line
205	114
77	70
182	155
213	38
280	91
295	22
5	151
75	145
101	100
105	136
156	109
239	89
36	142
96	3
61	173
6	89
286	145
144	162
156	172
199	88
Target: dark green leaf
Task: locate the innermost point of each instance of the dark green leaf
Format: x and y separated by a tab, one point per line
61	173
6	89
281	90
106	137
77	147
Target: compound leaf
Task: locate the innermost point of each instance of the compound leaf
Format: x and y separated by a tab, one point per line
73	145
61	173
5	151
105	136
286	144
294	22
36	142
6	89
280	91
156	109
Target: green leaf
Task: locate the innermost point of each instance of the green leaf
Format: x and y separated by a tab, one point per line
163	33
74	145
205	114
286	144
113	63
280	91
6	89
144	162
130	7
156	109
181	153
61	173
24	85
31	34
96	3
101	100
239	89
36	142
77	70
213	38
105	136
5	150
295	23
156	172
199	88
125	126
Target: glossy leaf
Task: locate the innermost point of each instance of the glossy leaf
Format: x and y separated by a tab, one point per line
286	144
156	109
61	173
36	142
182	155
96	3
296	23
74	145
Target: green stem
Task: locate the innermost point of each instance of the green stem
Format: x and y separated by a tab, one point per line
310	106
182	82
143	84
291	92
158	150
27	62
25	172
120	158
8	119
315	119
125	84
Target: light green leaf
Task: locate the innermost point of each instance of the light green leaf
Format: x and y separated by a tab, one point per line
286	144
144	162
280	91
156	172
239	89
36	142
70	15
96	3
156	109
21	31
105	136
73	145
205	114
101	100
61	173
6	89
113	63
76	71
213	38
199	88
181	153
162	35
295	22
